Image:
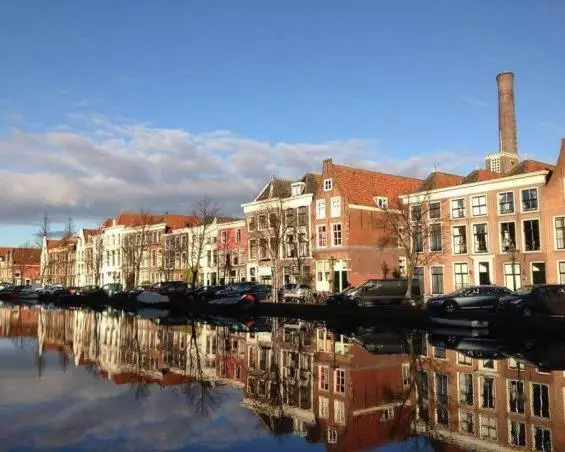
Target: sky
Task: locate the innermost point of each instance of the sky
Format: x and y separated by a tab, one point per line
109	106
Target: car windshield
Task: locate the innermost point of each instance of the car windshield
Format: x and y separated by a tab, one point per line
524	290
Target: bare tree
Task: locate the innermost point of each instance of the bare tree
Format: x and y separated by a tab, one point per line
135	246
205	214
273	228
417	231
42	234
68	246
98	254
385	269
23	259
174	255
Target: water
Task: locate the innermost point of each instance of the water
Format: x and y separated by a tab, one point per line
81	380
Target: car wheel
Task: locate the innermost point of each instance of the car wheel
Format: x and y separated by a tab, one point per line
527	312
450	307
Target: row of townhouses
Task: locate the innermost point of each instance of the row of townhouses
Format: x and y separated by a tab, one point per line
504	224
318	384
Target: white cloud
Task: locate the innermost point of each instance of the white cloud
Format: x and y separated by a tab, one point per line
93	167
474	101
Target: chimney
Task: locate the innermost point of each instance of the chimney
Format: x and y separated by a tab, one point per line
506	114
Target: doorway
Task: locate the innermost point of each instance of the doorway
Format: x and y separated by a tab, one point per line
484	273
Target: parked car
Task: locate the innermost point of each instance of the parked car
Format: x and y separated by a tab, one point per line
208	292
51	290
469	298
239	303
235	290
285	289
173	288
378	292
112	288
299	294
261	291
548	299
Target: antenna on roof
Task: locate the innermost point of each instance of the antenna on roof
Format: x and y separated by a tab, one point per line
435	168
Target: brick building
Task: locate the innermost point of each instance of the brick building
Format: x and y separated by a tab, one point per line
20	265
231	246
347	221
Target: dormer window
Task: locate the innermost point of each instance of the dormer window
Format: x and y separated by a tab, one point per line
297	188
328	184
381	201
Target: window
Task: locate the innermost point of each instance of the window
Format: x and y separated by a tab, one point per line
324	378
320	209
422	383
441	388
540	400
262	249
487	392
479	205
416	213
437	280
512	276
323	407
506	202
434	210
531	235
516	396
297	188
538	273
480	234
460	240
464	360
560	233
262	222
517	434
467	422
340	381
238	235
457	208
418	240
321	238
406	380
381	202
332	437
561	272
487	427
440	353
542	439
224	237
507	236
302	216
273	221
435	237
328	185
529	199
339	411
466	390
251	224
387	415
461	275
336	234
335	207
252	250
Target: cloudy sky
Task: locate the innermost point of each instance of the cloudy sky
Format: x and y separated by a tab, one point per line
107	106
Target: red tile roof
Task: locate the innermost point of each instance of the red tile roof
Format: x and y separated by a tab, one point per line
530	166
173	221
108	223
440	180
360	186
27	256
51	243
480	175
89	232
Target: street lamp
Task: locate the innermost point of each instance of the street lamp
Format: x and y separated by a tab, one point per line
513	251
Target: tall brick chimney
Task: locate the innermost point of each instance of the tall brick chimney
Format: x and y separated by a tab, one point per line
506	114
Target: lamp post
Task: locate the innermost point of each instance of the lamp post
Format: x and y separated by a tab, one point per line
513	251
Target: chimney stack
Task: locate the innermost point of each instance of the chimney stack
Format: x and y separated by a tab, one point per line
506	114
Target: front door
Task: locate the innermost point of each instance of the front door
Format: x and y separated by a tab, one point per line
484	273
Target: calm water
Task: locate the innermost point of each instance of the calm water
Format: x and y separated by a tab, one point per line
80	380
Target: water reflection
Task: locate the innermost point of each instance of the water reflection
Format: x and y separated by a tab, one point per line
317	385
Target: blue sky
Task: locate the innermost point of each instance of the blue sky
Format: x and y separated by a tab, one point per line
100	100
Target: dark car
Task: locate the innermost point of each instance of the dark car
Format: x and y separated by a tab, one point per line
261	291
208	292
468	298
173	288
378	292
236	290
548	299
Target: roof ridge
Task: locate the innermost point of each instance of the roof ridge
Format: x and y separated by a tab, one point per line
376	172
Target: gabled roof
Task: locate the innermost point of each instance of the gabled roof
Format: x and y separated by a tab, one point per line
222	220
311	182
107	223
89	232
52	243
360	186
530	166
276	188
479	175
175	221
438	179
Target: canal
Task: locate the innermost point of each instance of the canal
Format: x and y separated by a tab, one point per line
109	380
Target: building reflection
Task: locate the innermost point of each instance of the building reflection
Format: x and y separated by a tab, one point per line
306	380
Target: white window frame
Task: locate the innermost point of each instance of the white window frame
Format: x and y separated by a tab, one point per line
531	400
342	371
487	238
323	402
524	235
519	421
473	207
430	210
542	427
559	280
538	199
490	418
325	236
451	208
440	237
337	405
517	271
453	253
328	184
335	212
532	263
442	279
509	381
340	235
455	275
554	227
498	202
321	209
320	369
481	392
381	201
474	422
500	241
